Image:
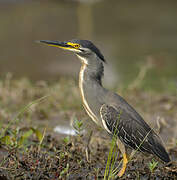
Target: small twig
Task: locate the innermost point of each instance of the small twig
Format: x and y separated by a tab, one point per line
5	168
161	123
87	149
43	135
141	75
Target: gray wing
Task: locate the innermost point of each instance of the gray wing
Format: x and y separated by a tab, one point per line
133	133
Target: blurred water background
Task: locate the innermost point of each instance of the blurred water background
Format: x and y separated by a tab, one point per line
131	35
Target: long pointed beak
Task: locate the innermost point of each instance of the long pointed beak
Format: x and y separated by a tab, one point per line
58	44
64	45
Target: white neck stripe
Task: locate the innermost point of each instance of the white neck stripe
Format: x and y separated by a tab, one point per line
86	106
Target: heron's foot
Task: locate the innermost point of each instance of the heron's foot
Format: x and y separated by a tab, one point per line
124	165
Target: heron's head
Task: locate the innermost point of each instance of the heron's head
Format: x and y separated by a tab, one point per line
84	49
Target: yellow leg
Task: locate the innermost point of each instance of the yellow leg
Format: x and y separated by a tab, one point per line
125	160
124	165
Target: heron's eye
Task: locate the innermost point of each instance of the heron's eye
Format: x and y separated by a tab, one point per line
77	46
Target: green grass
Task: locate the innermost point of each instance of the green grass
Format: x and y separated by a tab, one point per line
15	138
153	165
113	154
111	161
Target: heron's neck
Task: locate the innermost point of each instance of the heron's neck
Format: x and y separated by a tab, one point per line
90	86
92	69
89	72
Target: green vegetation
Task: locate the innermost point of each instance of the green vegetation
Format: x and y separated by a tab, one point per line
111	169
152	165
111	161
78	126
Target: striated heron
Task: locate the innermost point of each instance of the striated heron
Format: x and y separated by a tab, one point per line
108	109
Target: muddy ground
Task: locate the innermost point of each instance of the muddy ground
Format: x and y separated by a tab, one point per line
30	149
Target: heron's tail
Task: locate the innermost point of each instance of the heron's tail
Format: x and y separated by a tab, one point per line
159	150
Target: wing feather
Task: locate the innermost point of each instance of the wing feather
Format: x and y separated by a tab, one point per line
131	132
